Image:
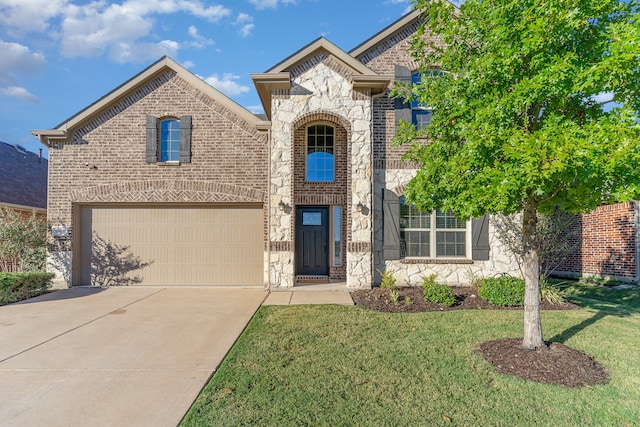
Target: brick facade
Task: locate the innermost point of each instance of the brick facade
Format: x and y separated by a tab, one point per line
103	160
606	243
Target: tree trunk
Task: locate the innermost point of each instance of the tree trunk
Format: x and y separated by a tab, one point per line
532	323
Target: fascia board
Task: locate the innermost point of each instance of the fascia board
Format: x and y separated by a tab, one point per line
143	77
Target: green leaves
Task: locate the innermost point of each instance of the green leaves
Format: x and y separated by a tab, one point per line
515	113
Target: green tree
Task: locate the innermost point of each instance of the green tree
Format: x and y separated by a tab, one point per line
518	125
22	241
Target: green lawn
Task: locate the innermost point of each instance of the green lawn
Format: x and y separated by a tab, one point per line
333	366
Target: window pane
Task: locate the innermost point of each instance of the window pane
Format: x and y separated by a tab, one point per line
421	118
450	243
416	243
320	155
337	236
169	140
311	218
448	220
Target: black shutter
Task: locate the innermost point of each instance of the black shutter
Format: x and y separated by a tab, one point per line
402	108
152	139
185	139
480	238
391	225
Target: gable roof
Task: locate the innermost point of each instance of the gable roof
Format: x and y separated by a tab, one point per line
23	177
384	33
163	64
279	77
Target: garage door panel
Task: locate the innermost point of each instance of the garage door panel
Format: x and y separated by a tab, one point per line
183	245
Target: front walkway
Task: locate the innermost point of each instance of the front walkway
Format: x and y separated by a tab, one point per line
334	293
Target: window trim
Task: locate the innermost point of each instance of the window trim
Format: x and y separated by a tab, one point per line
333	154
433	230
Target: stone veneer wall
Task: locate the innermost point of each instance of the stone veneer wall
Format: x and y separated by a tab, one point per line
321	86
410	272
104	160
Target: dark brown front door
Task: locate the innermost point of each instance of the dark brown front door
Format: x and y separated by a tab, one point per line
312	240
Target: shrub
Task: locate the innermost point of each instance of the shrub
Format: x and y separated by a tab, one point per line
388	280
395	296
437	292
504	291
550	293
20	286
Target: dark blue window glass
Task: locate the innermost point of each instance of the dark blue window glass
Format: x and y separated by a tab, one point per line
320	154
170	140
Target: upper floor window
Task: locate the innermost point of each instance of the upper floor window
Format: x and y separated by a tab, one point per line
170	140
420	114
320	153
431	234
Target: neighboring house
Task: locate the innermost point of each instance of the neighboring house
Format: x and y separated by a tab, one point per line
608	243
177	175
23	185
23	180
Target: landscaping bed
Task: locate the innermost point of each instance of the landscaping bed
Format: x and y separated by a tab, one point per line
557	364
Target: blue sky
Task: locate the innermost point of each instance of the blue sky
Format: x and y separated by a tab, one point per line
59	56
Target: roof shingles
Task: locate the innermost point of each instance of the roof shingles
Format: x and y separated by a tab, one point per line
23	177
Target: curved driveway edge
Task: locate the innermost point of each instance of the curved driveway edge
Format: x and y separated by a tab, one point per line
119	356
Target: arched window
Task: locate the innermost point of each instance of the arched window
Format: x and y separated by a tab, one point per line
170	140
320	154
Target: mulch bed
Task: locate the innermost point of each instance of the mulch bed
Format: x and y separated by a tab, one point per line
556	364
466	299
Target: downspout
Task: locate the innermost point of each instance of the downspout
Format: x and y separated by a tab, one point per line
268	242
636	228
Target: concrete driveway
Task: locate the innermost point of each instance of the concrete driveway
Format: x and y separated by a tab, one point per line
115	357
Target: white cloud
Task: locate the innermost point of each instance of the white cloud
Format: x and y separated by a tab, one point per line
199	41
246	23
30	15
18	59
100	27
227	84
255	109
270	4
142	52
20	93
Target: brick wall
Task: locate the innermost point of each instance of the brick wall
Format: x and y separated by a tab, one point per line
104	160
324	193
382	58
606	243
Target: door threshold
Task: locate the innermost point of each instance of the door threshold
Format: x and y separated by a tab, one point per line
312	279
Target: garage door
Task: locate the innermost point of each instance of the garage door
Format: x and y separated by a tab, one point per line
171	245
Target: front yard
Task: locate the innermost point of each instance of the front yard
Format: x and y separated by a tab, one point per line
330	365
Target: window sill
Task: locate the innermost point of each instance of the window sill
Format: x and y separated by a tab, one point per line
171	163
436	261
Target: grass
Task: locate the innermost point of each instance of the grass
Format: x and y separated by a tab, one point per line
343	366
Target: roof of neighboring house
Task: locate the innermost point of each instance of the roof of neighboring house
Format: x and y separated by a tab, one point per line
23	177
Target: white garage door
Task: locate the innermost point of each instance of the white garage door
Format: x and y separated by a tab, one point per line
171	245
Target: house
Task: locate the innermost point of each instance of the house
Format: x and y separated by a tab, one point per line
607	244
23	187
202	192
23	180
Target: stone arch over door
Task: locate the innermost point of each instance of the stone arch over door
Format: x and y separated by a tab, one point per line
336	193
